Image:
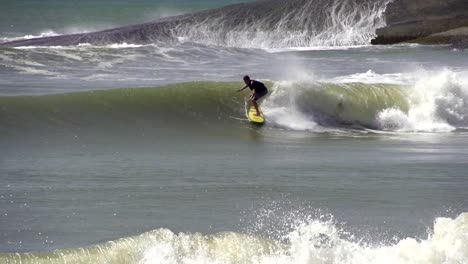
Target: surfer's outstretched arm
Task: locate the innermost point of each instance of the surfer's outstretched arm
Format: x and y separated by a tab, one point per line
243	88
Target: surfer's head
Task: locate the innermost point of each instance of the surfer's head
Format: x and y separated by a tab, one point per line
247	79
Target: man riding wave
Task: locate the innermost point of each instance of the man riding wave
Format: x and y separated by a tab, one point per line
258	90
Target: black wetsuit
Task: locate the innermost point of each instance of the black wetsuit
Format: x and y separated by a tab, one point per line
260	89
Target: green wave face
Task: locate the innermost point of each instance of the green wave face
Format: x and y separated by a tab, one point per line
174	100
352	103
197	104
155	108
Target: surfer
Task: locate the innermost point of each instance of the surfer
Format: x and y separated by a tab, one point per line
258	91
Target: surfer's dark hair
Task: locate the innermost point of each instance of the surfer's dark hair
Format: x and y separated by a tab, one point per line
246	78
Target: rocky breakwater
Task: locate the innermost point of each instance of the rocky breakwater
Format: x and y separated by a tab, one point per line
425	22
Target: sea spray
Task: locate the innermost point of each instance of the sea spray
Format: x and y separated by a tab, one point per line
303	105
299	23
438	103
310	241
259	24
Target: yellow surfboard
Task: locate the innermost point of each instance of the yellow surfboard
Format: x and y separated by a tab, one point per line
254	118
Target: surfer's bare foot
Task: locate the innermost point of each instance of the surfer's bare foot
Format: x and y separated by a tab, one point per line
257	114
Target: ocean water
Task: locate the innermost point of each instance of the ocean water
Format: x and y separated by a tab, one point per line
132	152
53	17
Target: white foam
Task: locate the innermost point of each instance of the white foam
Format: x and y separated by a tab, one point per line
43	47
306	240
438	103
372	77
314	241
123	45
47	33
64	31
289	118
315	48
280	108
414	121
347	24
424	101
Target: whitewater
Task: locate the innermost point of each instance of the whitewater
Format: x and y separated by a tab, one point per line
310	241
123	139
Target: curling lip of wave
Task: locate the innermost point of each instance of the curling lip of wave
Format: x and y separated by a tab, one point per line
259	24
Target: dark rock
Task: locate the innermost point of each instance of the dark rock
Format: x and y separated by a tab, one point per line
417	20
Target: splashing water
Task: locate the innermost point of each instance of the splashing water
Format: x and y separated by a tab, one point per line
314	23
439	103
313	240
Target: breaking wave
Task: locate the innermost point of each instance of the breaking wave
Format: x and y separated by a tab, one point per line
312	23
269	24
313	240
438	103
435	103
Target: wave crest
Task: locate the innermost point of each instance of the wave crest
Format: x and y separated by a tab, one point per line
261	24
316	23
435	103
311	241
439	103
